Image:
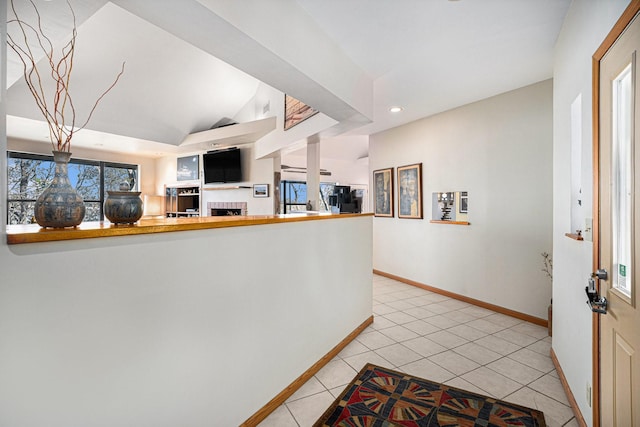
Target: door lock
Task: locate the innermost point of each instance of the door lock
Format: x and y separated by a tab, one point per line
597	303
601	274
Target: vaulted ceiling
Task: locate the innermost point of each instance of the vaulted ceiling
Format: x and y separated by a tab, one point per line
191	63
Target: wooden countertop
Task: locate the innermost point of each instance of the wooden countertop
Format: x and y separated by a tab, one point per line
33	233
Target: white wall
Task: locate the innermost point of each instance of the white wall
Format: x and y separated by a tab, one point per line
279	139
3	114
499	150
345	172
345	92
169	329
267	102
585	27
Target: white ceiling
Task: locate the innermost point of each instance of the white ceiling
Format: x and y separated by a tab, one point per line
427	56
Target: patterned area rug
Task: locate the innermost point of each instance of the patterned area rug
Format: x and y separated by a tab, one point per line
380	397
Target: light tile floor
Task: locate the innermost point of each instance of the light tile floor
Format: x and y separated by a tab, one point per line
444	340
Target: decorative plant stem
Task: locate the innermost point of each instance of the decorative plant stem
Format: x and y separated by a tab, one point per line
547	264
60	113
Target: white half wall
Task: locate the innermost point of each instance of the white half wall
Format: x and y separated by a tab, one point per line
499	150
3	115
167	330
585	26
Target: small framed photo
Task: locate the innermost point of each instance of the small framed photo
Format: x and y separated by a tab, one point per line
260	190
383	192
410	191
188	168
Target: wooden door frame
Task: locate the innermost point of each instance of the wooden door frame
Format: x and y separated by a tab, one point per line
623	22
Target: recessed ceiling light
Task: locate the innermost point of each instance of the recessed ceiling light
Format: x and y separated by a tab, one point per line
395	109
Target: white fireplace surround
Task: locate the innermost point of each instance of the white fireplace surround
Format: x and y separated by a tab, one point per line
227	205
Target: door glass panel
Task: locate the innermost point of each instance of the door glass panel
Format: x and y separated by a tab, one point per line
622	174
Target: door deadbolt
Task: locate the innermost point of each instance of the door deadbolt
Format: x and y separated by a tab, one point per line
601	274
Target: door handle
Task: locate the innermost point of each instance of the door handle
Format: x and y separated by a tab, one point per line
596	303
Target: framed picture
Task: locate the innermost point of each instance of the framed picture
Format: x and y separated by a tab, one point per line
383	192
295	111
410	191
464	202
188	168
260	190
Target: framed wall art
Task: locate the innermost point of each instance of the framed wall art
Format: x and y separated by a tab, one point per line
410	191
188	168
260	190
383	192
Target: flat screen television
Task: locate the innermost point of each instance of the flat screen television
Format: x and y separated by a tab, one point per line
222	166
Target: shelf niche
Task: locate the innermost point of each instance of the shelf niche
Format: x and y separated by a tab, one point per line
450	207
182	201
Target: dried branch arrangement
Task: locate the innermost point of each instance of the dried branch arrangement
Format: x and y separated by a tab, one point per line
547	264
57	108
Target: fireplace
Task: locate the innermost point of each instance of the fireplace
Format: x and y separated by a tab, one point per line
227	208
226	212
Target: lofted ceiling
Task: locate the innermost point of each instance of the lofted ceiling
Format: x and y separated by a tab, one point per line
426	56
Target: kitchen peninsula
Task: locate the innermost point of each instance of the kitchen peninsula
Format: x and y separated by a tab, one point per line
164	322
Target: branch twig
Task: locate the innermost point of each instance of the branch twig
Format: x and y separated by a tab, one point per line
547	264
60	115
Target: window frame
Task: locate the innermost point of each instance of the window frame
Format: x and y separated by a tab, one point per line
49	158
283	194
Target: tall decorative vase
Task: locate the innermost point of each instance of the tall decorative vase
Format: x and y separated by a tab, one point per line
59	205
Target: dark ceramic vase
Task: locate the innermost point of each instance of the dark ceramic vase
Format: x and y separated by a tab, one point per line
124	206
59	205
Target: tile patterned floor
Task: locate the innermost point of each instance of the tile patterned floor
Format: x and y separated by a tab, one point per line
445	340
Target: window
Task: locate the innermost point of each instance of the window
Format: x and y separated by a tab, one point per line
622	188
293	196
326	190
30	174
